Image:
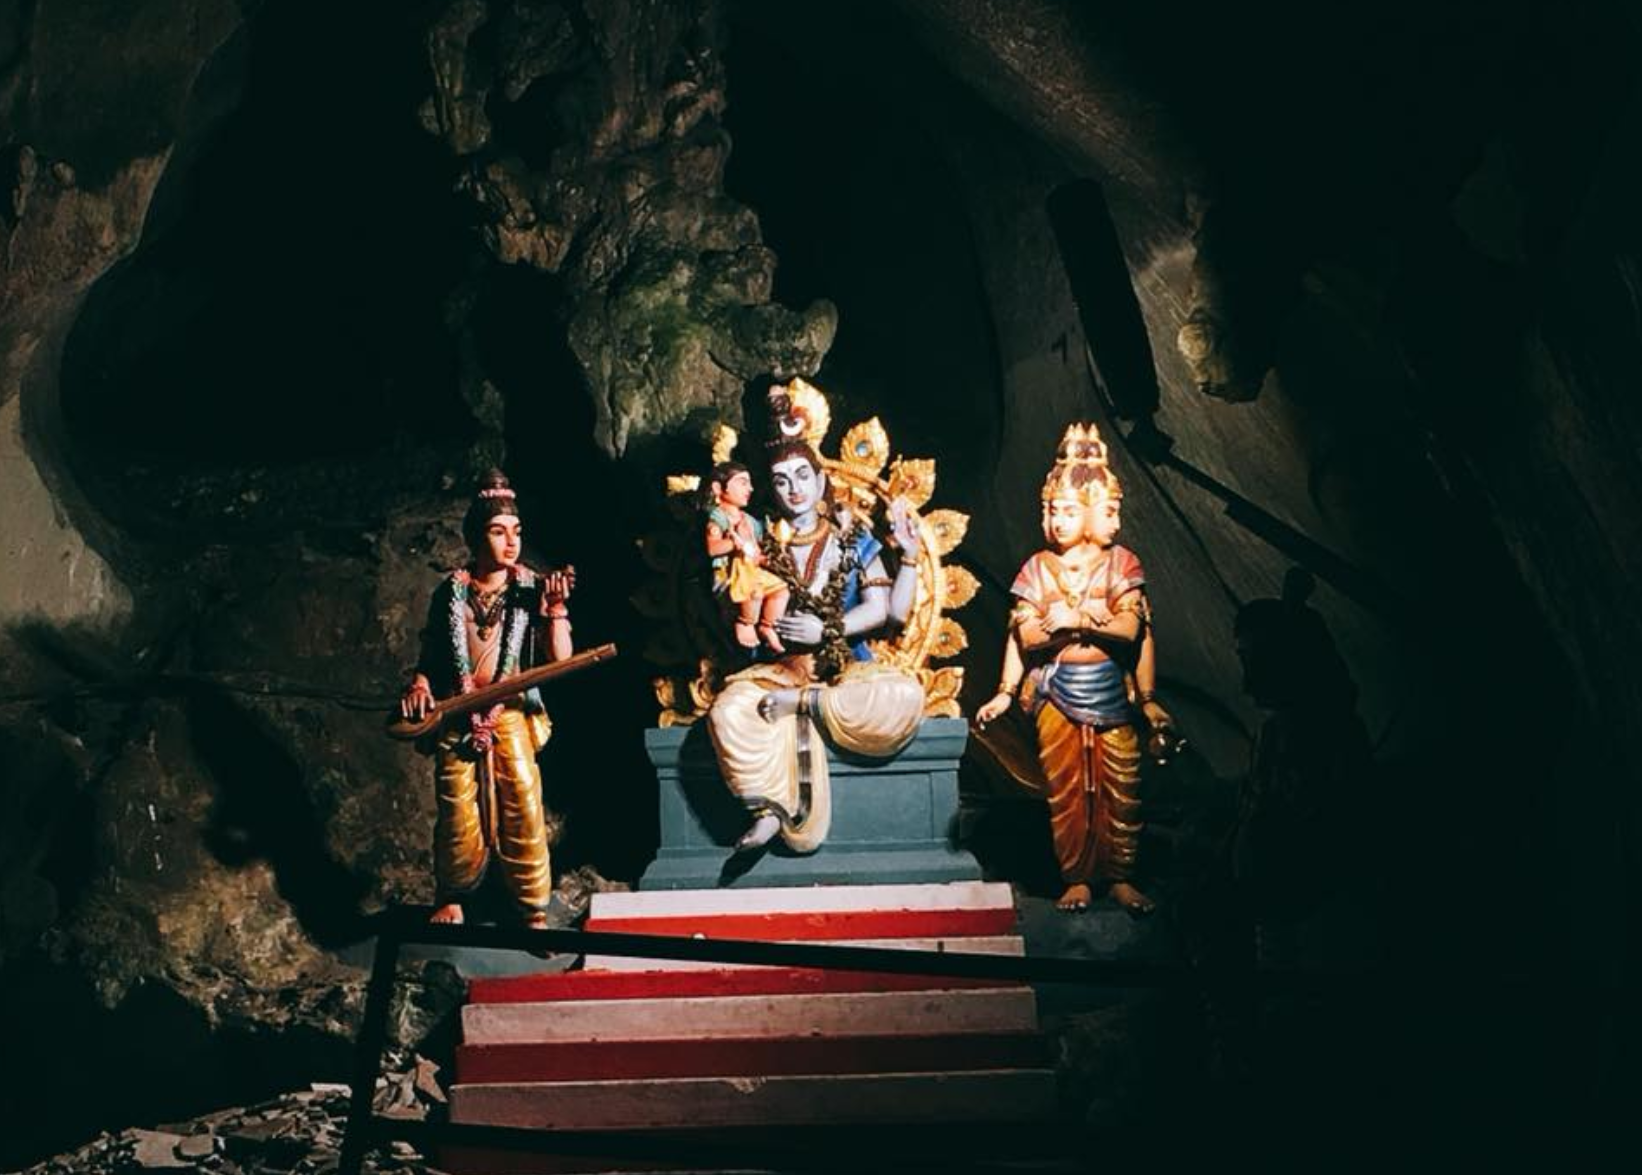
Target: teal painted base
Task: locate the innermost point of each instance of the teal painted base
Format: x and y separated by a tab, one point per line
891	821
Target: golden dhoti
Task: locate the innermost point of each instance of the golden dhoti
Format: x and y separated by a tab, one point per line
748	581
1094	796
493	804
872	710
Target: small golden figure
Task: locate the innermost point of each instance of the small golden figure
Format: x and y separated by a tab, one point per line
1080	641
734	539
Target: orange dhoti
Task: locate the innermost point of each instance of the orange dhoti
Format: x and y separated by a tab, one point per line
1094	795
492	803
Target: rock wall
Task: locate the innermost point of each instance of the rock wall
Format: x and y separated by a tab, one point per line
593	150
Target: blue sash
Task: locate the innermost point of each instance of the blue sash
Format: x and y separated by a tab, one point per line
1091	694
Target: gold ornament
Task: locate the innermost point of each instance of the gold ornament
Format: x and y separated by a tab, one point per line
1081	472
958	586
864	449
810	408
913	480
724	443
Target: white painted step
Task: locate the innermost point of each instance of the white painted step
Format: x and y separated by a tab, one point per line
698	903
994	1095
872	1013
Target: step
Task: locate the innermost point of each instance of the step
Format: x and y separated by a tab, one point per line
989	1009
809	926
992	944
838	863
614	1060
1001	1095
682	983
830	899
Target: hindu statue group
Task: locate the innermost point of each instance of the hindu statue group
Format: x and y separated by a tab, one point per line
829	609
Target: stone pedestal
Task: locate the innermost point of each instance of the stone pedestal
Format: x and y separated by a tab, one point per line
892	821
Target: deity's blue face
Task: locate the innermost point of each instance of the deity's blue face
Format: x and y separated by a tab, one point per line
798	486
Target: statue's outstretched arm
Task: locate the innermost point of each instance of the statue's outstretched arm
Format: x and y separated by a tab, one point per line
903	522
1146	682
877	602
1009	681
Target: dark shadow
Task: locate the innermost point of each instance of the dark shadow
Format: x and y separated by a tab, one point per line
1108	309
285	303
74	1067
722	815
263	812
740	863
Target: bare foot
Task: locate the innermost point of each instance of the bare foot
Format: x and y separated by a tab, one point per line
746	635
447	915
1076	898
767	631
760	834
777	704
1131	899
536	920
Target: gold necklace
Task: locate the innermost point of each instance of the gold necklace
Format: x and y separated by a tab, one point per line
1074	599
822	526
487	608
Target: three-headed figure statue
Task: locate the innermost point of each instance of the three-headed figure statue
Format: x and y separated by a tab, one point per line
1080	644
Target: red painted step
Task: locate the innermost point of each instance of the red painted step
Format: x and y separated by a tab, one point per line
632	985
605	1060
995	1095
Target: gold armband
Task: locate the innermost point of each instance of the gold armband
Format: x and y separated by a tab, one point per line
1134	602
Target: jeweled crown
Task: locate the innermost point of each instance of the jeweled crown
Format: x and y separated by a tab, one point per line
1081	471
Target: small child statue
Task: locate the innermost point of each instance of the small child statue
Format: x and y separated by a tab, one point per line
733	541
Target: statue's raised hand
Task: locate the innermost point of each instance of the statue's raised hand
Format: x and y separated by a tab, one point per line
557	585
903	525
799	628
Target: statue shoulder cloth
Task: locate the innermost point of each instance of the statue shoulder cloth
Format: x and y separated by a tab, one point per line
1035	581
1127	573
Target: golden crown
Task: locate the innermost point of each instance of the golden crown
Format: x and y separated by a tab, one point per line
807	414
1081	470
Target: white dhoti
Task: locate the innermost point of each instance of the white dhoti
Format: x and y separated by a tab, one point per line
872	710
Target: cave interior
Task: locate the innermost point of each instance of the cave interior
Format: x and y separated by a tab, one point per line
1354	291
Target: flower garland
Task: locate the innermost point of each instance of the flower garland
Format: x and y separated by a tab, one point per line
833	654
483	733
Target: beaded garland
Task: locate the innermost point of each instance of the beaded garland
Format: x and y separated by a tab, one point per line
833	654
483	733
